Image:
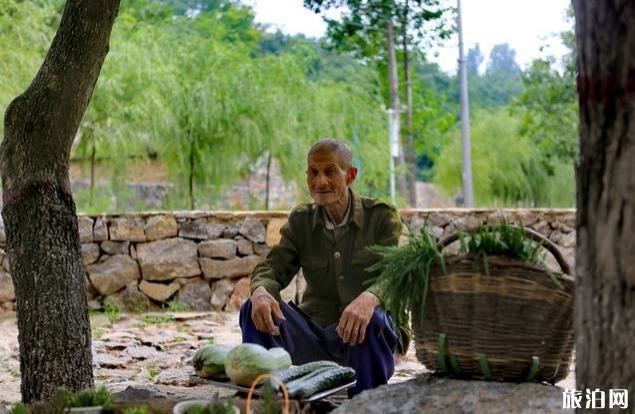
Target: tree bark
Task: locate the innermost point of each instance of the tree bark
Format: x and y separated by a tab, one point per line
395	105
605	254
410	147
39	213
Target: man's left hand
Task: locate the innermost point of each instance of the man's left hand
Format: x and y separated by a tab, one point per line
355	318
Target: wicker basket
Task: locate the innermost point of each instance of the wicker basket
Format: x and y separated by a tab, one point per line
514	324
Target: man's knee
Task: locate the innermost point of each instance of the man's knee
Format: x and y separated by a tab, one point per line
378	321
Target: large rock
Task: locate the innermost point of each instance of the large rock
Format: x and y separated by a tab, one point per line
432	395
90	253
85	229
201	229
273	231
217	249
221	291
218	269
161	227
195	295
168	259
127	229
113	273
159	291
7	293
253	230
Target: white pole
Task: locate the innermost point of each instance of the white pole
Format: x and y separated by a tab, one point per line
393	146
468	192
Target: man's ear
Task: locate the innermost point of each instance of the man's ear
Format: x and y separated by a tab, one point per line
351	174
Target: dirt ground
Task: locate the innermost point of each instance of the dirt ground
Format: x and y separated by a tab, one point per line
150	350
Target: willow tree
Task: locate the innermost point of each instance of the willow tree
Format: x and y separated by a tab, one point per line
38	209
605	255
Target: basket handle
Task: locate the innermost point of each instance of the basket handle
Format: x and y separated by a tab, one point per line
261	377
532	234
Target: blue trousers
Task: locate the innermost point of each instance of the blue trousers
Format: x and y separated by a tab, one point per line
306	341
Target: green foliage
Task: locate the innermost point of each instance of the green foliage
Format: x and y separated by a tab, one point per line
112	311
19	408
140	409
175	306
159	319
99	396
404	274
269	403
506	167
216	406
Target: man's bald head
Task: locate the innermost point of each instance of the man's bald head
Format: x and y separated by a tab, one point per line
335	147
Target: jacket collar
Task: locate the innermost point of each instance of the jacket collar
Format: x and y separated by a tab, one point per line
356	214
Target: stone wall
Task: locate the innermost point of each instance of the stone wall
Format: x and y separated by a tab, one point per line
201	260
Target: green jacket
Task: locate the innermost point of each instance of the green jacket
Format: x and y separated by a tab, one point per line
334	267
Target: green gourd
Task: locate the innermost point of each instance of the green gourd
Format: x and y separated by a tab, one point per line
209	361
247	361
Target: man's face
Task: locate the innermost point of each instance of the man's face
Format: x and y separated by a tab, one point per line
327	181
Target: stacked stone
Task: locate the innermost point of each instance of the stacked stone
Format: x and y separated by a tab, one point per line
142	262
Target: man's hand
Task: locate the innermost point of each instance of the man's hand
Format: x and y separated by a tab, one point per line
263	307
355	318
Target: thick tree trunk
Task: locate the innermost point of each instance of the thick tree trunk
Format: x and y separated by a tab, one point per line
395	105
39	213
605	255
410	147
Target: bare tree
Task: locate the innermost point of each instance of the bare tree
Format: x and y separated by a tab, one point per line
605	256
39	212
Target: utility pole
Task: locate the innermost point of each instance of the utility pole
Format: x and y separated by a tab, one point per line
468	191
393	145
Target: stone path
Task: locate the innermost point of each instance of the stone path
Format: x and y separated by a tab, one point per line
141	352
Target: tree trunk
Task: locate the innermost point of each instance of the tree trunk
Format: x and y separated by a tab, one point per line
93	161
268	181
191	177
395	105
410	147
605	255
39	213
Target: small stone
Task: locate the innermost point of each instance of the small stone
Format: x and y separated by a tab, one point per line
245	248
113	247
253	230
217	249
113	273
201	229
231	231
218	269
161	227
7	293
94	305
85	225
239	295
221	290
100	230
141	352
133	300
567	240
90	253
435	219
159	291
109	361
195	295
273	231
127	229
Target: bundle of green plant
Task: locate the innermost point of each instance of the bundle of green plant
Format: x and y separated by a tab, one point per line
404	273
506	240
216	406
63	399
269	403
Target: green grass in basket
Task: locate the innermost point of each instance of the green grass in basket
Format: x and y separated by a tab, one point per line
504	240
403	274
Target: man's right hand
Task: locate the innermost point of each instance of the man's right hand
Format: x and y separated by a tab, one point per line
264	307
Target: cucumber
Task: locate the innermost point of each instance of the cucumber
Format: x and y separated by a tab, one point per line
311	384
287	375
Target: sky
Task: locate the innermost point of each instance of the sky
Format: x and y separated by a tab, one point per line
525	25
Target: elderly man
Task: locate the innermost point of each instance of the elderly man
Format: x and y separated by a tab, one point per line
339	318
